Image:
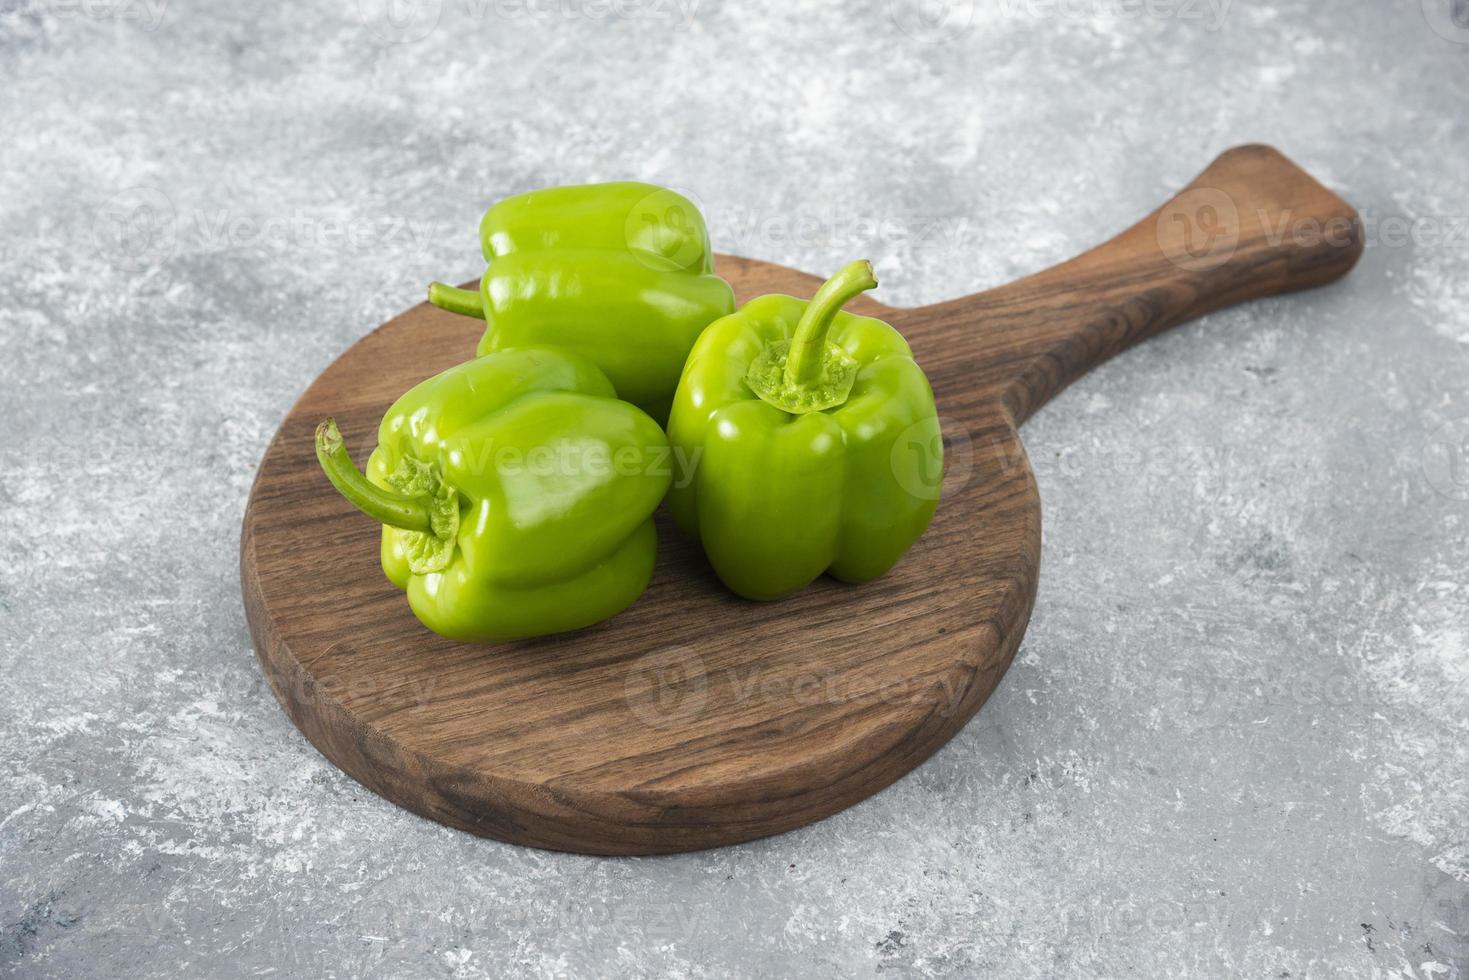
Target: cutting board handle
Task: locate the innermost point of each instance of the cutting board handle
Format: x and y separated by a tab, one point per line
1253	224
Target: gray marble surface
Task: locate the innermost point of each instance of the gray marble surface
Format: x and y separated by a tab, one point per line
1234	742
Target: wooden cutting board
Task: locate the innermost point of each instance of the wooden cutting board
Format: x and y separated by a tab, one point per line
696	718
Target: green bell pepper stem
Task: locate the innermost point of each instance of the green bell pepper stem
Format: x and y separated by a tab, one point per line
467	302
808	344
383	506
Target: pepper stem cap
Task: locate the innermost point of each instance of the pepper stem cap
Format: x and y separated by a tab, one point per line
809	343
809	373
411	513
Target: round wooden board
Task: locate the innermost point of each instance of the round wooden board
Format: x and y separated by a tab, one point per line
695	718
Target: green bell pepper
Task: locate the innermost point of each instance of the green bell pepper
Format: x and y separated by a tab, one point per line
516	494
620	272
817	442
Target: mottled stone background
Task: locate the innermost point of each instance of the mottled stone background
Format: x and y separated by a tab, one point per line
1234	741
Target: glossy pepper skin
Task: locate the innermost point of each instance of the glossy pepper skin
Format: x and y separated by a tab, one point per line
516	493
621	273
816	438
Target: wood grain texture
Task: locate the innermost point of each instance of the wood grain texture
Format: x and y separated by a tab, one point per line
695	718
